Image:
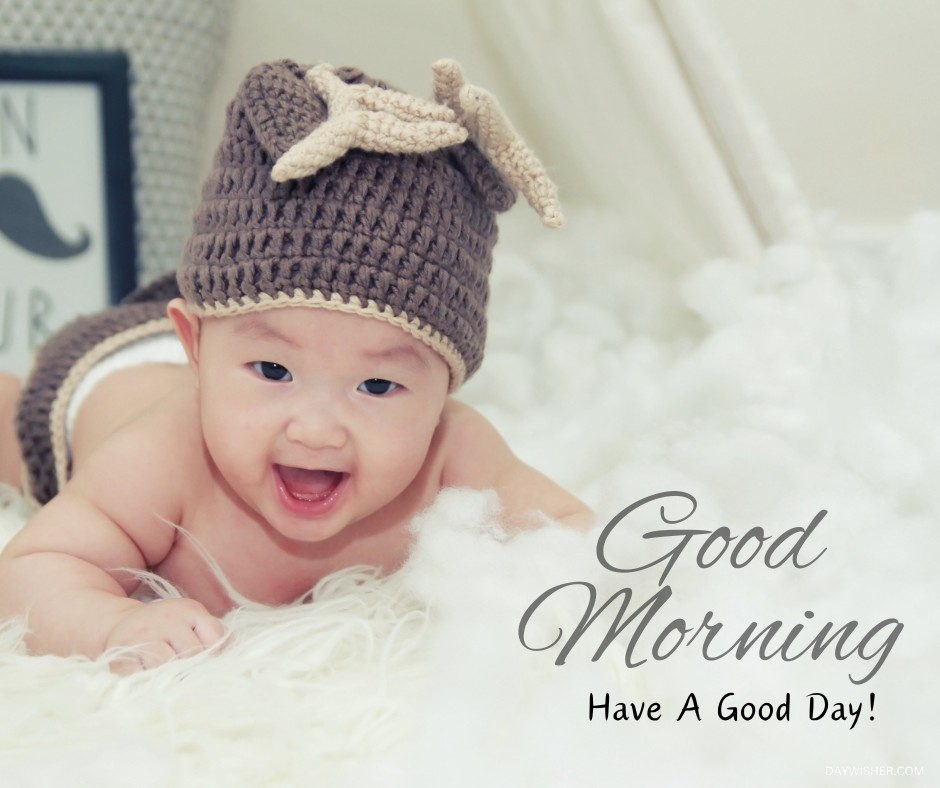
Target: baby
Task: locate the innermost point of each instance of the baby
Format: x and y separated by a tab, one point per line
283	402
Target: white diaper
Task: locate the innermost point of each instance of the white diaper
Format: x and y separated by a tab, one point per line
158	349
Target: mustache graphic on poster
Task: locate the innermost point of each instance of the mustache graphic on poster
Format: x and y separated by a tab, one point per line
23	221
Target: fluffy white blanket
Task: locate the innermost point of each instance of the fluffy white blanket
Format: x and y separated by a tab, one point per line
769	392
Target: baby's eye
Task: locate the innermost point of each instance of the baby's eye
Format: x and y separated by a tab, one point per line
271	371
377	387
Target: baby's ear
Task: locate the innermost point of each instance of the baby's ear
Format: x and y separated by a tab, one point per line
187	327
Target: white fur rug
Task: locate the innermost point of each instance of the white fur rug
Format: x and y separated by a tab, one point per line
770	392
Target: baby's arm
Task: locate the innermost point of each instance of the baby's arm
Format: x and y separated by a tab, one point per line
64	569
478	457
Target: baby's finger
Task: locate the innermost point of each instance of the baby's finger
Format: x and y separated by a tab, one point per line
209	630
126	664
205	627
143	657
153	655
184	643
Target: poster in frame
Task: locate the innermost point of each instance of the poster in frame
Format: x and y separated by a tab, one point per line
66	193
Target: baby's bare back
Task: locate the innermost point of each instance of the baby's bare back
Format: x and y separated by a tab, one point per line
122	397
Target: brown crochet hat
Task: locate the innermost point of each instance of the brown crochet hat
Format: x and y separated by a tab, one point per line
332	190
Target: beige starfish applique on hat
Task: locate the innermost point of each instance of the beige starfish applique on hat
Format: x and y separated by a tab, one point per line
382	120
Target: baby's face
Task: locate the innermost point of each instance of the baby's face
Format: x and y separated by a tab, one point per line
316	418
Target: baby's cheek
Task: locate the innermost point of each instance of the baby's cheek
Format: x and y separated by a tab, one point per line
233	445
406	454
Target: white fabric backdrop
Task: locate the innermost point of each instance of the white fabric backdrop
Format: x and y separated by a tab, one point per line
635	105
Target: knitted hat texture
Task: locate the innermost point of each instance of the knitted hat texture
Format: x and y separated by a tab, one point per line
356	221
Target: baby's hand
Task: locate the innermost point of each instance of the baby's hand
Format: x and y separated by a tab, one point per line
158	631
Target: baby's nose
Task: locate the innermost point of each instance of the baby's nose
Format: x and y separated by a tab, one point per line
317	428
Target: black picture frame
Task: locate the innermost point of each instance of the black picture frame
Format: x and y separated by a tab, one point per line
27	114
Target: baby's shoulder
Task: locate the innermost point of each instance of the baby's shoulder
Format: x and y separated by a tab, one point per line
459	420
478	457
138	404
150	460
167	425
474	452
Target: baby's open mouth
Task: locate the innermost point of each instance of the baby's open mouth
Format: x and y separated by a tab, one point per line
309	485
